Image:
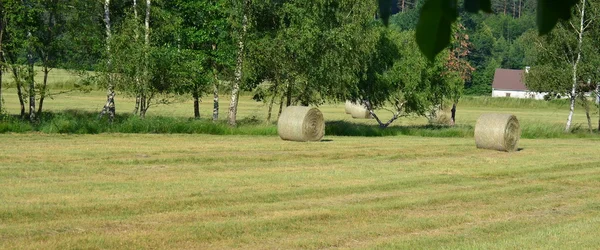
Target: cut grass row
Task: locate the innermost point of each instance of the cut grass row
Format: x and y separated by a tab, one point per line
258	192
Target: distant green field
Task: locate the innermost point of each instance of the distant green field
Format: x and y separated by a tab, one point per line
539	113
115	191
57	78
529	112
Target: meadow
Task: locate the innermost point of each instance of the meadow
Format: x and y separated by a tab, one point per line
254	191
258	192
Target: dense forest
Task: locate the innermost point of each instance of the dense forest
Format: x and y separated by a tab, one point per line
292	52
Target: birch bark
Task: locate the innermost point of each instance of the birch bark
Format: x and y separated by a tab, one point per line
109	107
575	63
233	105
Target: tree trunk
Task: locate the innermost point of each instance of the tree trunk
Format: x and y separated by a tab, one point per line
143	106
598	103
136	36
196	106
142	90
135	15
43	90
31	80
215	115
1	51
575	63
271	103
147	23
520	7
586	106
505	7
453	117
288	94
403	5
15	72
109	107
0	79
280	106
238	71
514	9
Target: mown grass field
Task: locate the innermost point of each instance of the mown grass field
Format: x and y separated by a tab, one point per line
258	192
190	191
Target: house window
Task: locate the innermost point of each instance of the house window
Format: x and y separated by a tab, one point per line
507	94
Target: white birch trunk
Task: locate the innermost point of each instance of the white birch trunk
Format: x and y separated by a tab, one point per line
144	101
31	79
1	53
238	72
109	107
136	108
575	63
135	13
147	23
215	115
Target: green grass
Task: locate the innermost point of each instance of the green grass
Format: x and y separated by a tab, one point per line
58	79
126	186
76	113
259	192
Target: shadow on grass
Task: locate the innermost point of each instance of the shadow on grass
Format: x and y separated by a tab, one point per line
83	122
344	128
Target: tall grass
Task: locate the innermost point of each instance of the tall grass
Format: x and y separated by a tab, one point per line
82	122
506	102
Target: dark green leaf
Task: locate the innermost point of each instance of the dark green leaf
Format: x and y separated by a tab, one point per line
475	6
385	10
435	26
549	12
485	5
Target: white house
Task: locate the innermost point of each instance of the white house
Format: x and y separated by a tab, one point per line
510	83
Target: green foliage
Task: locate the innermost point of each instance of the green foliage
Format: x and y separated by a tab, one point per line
437	17
557	53
475	6
550	12
435	26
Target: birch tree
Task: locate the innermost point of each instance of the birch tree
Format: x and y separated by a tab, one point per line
235	88
564	57
144	98
579	31
109	107
2	24
205	38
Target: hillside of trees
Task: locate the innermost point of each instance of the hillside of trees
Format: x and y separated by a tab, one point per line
293	52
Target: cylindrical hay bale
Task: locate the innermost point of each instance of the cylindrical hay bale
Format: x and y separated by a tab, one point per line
497	132
357	111
348	107
298	123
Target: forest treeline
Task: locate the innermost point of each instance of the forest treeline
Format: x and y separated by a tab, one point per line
292	52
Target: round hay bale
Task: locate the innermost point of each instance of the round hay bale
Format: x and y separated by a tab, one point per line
357	111
497	132
297	123
348	107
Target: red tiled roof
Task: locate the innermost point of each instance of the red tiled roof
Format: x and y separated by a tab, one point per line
509	79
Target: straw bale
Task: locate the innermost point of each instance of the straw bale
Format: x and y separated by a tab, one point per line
298	123
497	132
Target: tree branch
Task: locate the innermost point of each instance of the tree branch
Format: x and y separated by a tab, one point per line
395	116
